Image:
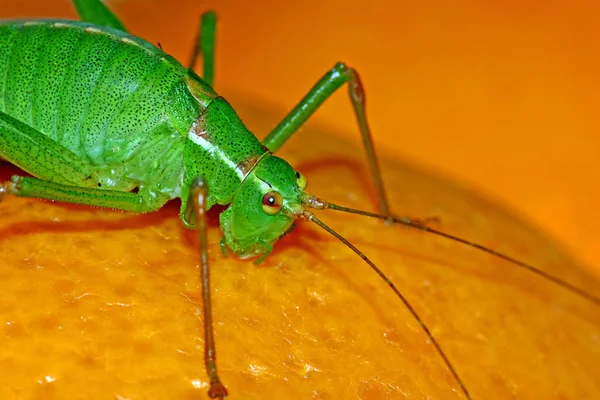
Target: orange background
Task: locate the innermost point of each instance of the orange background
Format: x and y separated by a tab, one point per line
499	95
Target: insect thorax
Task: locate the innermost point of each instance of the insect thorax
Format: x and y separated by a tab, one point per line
220	148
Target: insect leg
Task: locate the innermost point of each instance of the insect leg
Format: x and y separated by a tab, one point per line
39	155
95	12
324	88
61	174
32	187
205	44
197	205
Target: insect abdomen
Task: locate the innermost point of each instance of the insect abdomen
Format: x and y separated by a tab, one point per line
105	95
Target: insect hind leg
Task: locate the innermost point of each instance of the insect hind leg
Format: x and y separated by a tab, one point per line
38	188
59	173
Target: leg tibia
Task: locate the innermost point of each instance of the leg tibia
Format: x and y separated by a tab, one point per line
325	87
61	175
197	205
41	156
32	187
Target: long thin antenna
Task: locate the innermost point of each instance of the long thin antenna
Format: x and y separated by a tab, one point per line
320	204
311	217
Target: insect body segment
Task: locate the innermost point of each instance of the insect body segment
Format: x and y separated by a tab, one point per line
222	150
110	103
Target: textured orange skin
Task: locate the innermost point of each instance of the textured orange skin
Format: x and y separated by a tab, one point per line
104	304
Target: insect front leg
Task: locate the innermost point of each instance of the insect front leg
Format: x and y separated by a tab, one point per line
205	45
197	205
325	87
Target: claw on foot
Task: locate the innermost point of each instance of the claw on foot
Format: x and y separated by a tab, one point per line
217	391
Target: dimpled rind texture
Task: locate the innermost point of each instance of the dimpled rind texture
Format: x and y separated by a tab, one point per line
98	304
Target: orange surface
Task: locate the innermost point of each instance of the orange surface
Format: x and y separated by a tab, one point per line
101	304
97	304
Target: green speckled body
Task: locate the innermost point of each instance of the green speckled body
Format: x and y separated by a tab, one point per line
124	106
104	118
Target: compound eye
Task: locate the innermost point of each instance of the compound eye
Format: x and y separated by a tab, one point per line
301	180
272	202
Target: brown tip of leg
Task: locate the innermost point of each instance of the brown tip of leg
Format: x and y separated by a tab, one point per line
217	391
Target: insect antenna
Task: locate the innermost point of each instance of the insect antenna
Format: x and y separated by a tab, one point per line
316	203
311	217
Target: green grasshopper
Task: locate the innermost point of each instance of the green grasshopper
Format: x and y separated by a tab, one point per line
100	117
